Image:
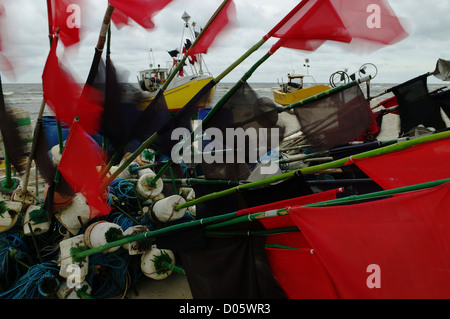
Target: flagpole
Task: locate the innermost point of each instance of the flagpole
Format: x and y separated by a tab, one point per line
41	110
314	169
216	80
233	218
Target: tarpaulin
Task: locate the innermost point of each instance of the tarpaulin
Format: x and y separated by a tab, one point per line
415	165
398	247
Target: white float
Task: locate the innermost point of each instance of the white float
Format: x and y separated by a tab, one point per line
164	209
151	263
101	233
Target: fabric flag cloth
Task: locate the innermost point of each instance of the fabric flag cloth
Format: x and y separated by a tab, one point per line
120	112
416	106
181	119
79	162
218	26
442	71
141	11
443	99
338	118
64	17
5	63
312	281
365	24
62	94
315	22
390	103
44	163
393	248
415	165
245	112
14	147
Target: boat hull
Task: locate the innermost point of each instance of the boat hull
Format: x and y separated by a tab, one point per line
177	97
292	97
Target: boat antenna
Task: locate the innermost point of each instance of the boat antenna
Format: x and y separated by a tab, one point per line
307	66
151	57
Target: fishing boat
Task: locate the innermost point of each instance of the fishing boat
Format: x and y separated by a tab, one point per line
295	90
185	85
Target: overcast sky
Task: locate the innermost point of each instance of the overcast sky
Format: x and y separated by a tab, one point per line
418	54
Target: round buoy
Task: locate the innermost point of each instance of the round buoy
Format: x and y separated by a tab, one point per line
60	200
56	155
101	233
6	190
164	209
76	213
152	263
9	217
145	189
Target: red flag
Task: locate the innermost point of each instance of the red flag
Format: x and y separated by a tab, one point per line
62	94
415	165
217	26
285	263
5	63
370	20
66	15
317	21
397	247
141	11
79	162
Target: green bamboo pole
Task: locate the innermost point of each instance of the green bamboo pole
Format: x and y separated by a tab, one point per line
80	255
359	198
213	223
314	169
7	184
201	181
250	217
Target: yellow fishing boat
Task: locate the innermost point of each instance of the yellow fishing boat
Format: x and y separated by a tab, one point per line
294	91
180	90
186	84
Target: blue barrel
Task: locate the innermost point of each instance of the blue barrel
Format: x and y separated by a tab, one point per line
51	131
203	112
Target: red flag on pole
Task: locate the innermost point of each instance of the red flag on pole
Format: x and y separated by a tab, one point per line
79	162
141	11
311	25
361	23
5	63
418	164
220	23
396	247
370	20
62	94
66	15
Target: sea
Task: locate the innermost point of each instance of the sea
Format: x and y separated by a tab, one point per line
29	96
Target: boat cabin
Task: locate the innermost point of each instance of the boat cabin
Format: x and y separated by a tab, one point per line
151	79
295	81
